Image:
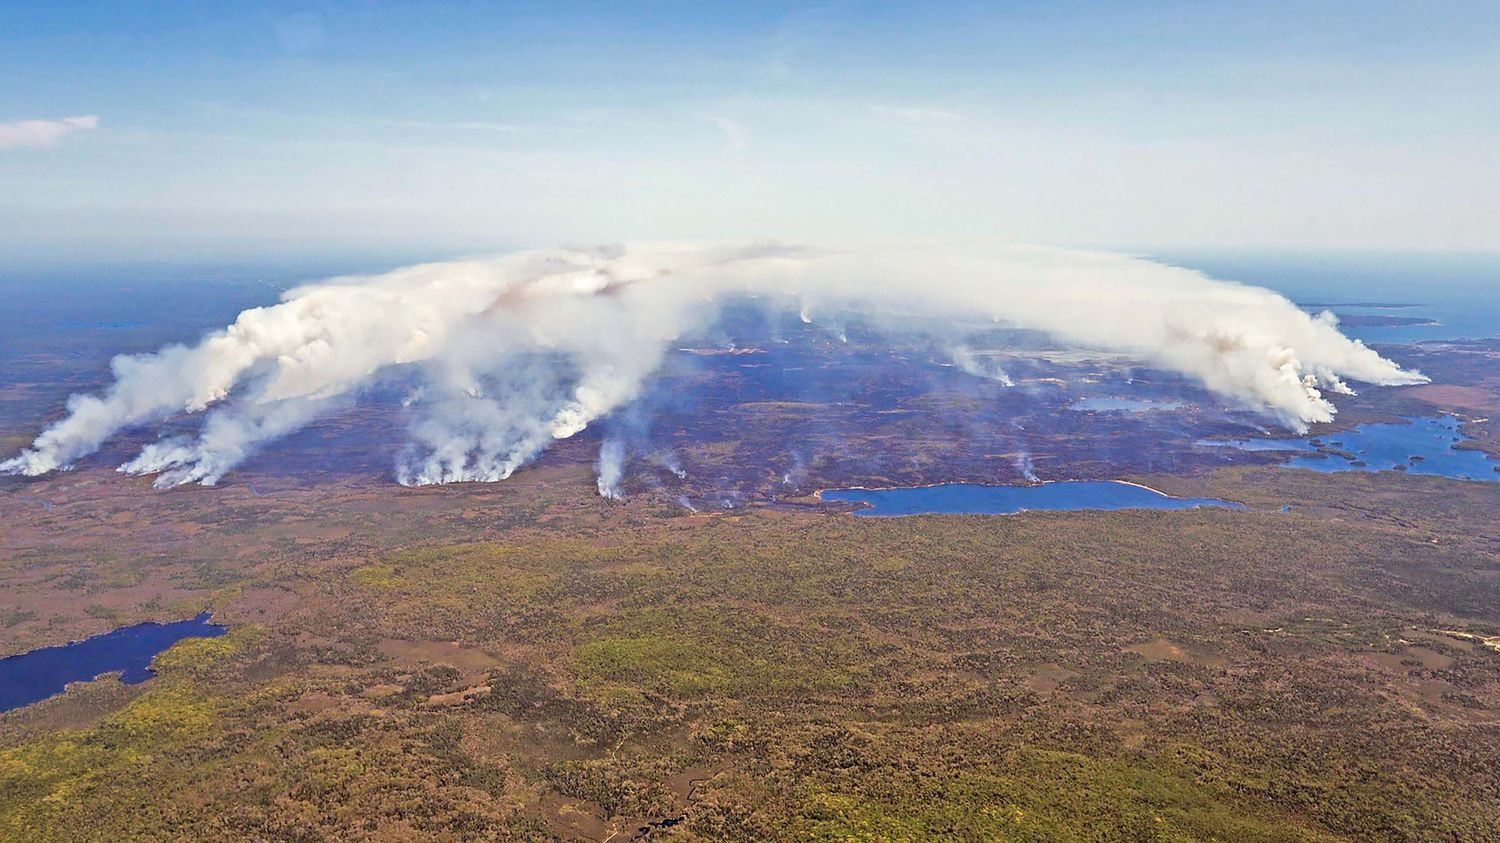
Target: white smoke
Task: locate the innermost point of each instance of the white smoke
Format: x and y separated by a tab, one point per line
969	363
610	468
798	471
230	434
673	463
521	350
1025	467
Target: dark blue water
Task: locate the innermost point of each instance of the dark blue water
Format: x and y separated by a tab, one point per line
1420	446
975	499
1459	292
34	676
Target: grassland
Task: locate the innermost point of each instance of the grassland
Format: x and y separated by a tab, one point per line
528	662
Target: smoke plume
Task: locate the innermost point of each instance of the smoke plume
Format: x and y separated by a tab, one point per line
518	351
611	468
971	364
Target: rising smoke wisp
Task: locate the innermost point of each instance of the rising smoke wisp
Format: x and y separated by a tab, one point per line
518	351
610	468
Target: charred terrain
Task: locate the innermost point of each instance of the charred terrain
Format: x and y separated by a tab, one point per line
717	656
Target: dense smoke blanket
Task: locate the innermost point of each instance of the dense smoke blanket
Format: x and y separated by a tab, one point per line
518	351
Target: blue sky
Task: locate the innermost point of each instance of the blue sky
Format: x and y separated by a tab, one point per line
233	129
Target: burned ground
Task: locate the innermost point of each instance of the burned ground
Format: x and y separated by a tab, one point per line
527	660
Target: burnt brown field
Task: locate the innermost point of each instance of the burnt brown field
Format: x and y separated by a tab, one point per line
526	660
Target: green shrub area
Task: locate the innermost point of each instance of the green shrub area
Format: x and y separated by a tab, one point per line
1170	676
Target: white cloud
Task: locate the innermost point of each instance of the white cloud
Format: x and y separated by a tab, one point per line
41	134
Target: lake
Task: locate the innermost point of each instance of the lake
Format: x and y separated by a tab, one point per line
1418	446
979	499
36	675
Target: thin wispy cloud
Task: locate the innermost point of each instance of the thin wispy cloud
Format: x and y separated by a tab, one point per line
41	134
736	136
916	114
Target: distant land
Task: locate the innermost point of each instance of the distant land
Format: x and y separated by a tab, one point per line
1371	320
1377	320
1315	305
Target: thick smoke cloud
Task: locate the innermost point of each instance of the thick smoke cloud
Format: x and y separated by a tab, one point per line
519	351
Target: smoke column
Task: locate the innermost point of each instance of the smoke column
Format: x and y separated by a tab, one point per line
518	351
964	358
611	468
1025	466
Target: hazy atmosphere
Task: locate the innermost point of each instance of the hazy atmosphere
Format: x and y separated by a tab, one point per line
606	422
175	129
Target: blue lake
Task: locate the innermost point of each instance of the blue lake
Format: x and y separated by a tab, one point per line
1420	446
36	675
977	499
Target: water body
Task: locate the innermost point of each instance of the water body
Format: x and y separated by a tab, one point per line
34	676
1122	405
977	499
1457	293
1418	446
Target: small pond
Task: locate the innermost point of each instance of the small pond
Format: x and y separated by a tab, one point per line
36	675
